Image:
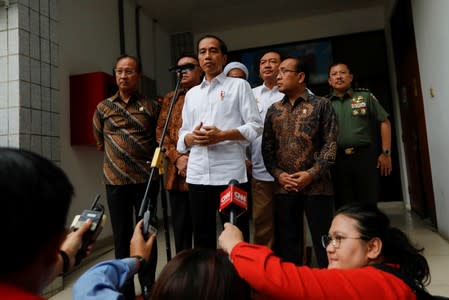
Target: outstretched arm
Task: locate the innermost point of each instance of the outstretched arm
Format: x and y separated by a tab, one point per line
104	280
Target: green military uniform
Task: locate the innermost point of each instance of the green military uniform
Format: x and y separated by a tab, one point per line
355	172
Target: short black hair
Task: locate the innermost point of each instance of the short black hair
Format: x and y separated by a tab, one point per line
300	66
336	64
187	54
222	44
36	196
281	55
138	63
200	274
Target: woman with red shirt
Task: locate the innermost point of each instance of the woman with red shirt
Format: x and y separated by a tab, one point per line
359	237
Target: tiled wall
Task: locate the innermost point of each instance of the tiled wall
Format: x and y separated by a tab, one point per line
29	87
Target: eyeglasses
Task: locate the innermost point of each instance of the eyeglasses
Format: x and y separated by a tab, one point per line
187	67
336	240
284	72
124	71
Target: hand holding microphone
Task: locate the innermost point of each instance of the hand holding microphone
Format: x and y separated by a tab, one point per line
230	237
233	201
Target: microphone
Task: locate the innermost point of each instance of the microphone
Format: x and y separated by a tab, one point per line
182	68
233	201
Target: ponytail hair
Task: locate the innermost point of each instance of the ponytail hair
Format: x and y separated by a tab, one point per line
396	246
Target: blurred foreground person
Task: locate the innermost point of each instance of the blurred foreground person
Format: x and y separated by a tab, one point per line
359	245
34	192
104	280
200	274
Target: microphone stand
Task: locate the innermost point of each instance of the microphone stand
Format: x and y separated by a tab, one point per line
149	205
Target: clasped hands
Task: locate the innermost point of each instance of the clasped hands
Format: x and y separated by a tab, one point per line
203	136
294	182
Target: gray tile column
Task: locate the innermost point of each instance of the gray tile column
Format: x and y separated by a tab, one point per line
29	85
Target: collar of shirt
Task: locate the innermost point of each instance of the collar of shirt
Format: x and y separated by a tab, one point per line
348	92
117	97
267	89
219	79
304	97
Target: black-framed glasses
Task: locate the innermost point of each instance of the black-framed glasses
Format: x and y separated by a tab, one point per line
284	72
187	67
336	240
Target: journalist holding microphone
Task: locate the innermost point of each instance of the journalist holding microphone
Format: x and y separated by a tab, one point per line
368	259
36	247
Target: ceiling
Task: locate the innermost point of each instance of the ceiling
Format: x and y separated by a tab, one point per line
209	16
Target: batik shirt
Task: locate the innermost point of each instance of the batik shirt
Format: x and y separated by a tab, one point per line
301	137
126	133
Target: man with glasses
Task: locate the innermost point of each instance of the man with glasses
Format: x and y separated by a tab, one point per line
175	174
125	128
298	145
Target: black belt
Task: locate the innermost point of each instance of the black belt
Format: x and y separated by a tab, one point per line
351	150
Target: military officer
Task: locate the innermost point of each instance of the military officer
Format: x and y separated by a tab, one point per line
358	163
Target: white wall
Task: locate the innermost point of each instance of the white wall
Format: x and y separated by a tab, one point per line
155	53
129	7
89	42
432	43
313	27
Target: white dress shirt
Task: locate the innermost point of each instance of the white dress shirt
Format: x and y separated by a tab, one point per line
226	103
264	98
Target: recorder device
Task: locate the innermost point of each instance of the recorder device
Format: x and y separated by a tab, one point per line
96	214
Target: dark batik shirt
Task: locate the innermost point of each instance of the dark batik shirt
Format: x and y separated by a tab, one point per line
301	137
126	132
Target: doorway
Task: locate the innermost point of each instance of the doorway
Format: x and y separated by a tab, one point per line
414	135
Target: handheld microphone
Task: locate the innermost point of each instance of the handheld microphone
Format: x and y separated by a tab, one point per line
233	201
182	68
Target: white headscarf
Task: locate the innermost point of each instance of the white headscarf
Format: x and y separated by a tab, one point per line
236	65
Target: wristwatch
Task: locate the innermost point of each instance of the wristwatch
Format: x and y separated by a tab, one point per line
141	262
386	152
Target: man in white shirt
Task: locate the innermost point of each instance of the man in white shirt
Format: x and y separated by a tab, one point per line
220	118
262	183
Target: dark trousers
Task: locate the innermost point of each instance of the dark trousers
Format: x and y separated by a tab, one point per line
289	226
124	204
356	177
181	220
204	203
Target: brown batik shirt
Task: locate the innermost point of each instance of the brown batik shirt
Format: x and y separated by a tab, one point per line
301	137
126	132
173	181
